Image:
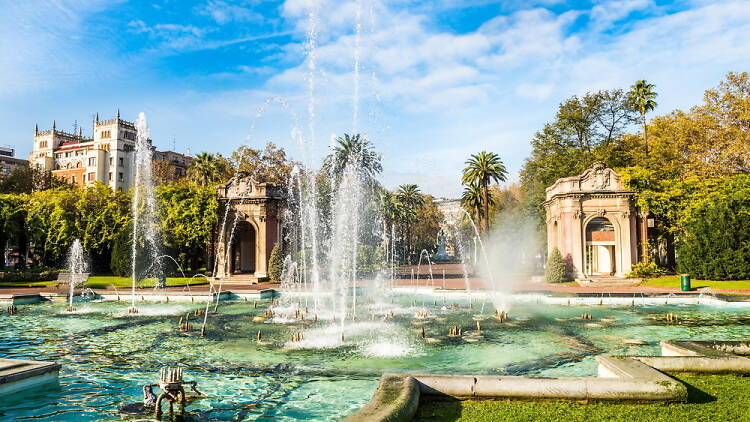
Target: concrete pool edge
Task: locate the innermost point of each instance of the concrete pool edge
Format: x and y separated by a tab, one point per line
620	378
17	375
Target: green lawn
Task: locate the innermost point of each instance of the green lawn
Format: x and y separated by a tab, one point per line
97	282
673	281
100	282
711	398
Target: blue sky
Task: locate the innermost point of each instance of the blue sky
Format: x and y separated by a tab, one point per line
438	79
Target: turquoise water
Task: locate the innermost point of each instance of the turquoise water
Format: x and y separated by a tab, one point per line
107	355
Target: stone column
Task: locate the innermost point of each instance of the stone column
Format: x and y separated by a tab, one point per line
261	250
643	236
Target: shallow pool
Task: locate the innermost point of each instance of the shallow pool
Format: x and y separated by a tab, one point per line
107	355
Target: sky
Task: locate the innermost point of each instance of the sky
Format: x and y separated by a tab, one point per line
435	81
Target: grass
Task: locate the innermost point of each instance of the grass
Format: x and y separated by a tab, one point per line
710	398
674	282
101	282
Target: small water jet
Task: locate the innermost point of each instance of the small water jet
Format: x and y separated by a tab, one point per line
77	268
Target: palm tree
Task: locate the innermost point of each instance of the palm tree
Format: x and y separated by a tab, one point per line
482	169
356	150
409	198
207	169
641	97
388	207
471	200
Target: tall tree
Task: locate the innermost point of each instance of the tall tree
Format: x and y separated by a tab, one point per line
209	169
642	96
353	150
483	169
471	200
410	198
269	165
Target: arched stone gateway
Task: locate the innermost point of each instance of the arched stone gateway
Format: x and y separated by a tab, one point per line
592	220
250	230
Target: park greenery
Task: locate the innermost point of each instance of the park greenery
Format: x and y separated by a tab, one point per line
710	398
689	169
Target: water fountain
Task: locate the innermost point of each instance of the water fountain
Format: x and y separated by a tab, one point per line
145	224
77	268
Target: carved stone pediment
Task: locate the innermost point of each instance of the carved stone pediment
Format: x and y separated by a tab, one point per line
598	177
246	188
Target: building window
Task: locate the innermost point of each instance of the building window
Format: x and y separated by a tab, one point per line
120	177
110	176
72	179
92	161
122	162
67	154
106	134
92	177
110	161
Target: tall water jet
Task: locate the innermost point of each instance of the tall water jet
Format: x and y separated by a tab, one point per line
77	267
145	224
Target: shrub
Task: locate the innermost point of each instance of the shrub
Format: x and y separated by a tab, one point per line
275	264
120	263
646	269
556	270
29	276
716	240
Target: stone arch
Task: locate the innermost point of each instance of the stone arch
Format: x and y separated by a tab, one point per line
597	250
245	247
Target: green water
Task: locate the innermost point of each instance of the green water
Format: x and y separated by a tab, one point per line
107	355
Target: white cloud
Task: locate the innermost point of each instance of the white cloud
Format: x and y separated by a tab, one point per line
606	13
222	12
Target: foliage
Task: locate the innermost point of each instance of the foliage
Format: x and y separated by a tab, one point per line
56	217
481	170
12	217
646	269
120	261
188	213
710	398
27	179
556	270
28	276
425	229
208	169
585	130
715	243
269	165
275	264
642	99
353	150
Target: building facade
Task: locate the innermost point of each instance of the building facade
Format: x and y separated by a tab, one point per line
452	212
9	162
592	220
249	231
107	157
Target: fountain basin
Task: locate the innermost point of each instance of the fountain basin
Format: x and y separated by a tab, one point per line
17	375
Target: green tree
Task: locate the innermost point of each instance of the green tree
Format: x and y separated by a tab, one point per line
208	169
556	270
409	199
482	169
275	264
12	221
471	200
715	243
188	213
642	97
269	165
353	150
26	179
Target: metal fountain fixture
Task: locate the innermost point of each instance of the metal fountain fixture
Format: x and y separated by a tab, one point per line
172	386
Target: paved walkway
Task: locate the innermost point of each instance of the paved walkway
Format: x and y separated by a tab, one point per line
453	280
